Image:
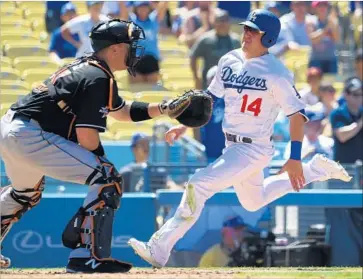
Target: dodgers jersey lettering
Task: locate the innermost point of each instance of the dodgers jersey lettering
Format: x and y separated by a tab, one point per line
254	91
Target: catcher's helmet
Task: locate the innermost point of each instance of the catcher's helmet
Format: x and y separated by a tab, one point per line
116	31
266	22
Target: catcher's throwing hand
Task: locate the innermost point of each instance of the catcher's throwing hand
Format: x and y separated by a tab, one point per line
295	172
192	109
174	133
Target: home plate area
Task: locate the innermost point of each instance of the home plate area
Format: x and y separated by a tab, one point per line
212	273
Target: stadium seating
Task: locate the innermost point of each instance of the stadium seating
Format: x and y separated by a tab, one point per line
115	126
301	85
122	78
35	75
11	13
140	87
34	6
167	52
8	23
5	62
174	63
154	97
297	62
68	60
126	95
339	87
81	7
11	96
7	5
30	43
14	51
9	74
331	78
38	26
179	85
123	135
14	85
176	75
107	136
18	36
27	62
34	14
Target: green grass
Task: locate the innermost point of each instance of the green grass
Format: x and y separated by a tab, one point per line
201	273
303	273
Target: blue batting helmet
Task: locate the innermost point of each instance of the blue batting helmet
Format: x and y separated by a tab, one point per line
267	23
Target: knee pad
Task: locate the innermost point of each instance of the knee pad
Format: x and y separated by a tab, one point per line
105	173
110	191
100	215
26	202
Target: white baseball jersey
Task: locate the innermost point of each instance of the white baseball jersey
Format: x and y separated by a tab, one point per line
82	25
254	91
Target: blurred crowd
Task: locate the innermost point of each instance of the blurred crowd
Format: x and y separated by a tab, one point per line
335	113
321	27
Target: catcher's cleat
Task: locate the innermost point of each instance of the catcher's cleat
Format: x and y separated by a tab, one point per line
4	262
144	251
91	265
329	168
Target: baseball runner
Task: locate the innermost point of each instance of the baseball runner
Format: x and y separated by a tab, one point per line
254	85
54	131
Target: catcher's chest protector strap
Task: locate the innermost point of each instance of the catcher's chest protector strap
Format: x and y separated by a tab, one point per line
110	75
26	201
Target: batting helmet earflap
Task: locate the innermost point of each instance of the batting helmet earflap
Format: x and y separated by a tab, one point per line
266	22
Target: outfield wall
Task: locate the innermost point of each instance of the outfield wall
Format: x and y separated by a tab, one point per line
36	240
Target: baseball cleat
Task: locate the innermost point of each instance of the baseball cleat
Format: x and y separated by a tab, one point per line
330	168
91	265
144	251
5	262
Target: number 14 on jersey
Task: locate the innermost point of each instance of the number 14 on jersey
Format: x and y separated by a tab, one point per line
252	106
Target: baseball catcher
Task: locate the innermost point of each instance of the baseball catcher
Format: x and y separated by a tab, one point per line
54	131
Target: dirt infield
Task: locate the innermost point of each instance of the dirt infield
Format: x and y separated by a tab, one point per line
176	273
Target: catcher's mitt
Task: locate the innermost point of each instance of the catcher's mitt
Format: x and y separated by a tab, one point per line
192	109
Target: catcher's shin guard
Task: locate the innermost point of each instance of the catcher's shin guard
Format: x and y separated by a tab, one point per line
91	227
27	203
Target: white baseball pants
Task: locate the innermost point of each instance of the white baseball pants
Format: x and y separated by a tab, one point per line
242	166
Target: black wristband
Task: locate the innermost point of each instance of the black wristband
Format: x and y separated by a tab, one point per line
139	111
99	151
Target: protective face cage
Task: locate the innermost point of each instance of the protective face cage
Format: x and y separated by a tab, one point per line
136	52
126	32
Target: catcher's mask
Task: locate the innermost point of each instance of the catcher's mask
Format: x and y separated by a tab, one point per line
116	31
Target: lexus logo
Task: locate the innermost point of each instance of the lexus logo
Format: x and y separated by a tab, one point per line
27	242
